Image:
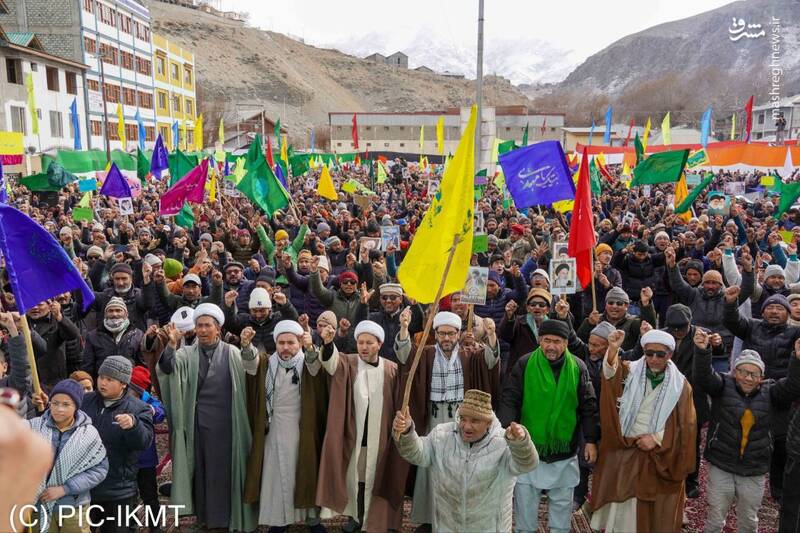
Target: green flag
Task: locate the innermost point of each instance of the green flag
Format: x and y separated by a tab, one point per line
259	184
525	136
185	218
142	166
505	146
661	167
687	202
790	192
597	187
381	173
637	143
777	185
180	164
38	183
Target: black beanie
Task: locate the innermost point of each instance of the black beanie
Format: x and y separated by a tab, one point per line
554	327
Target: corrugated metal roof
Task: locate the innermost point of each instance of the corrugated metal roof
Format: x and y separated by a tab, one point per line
20	38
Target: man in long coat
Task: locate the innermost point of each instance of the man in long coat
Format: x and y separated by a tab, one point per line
647	444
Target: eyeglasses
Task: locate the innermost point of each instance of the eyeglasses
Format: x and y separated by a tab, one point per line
348	282
538	304
390	297
616	303
661	354
447	334
61	405
747	374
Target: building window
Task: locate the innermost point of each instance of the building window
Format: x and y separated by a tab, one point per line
93	85
127	60
18	122
143	66
52	78
162	101
109	54
761	118
176	103
142	31
386	128
34	67
161	65
402	128
187	75
402	145
368	128
129	96
164	132
56	125
96	126
90	45
175	71
189	107
125	24
72	82
386	145
88	5
111	131
132	132
14	71
71	129
189	137
338	144
145	100
508	129
369	144
112	92
149	133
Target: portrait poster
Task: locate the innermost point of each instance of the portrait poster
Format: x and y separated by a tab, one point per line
562	276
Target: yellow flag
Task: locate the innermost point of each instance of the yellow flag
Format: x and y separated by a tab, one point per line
449	216
421	137
733	126
646	134
212	194
312	162
381	173
238	171
440	135
626	170
284	152
32	104
221	132
86	200
121	127
666	135
681	192
325	186
198	133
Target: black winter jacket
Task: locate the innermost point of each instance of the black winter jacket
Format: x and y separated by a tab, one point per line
101	343
52	363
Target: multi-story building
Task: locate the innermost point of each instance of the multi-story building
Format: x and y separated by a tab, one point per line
765	116
400	132
175	96
57	82
118	31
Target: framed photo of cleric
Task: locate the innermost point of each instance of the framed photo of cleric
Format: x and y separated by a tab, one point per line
475	288
719	204
560	250
563	276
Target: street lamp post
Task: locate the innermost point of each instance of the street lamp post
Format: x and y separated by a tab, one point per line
100	57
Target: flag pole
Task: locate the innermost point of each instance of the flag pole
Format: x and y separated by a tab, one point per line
594	292
470	317
428	324
26	334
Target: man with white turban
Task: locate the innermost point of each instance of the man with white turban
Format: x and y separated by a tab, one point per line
281	401
203	392
445	371
367	486
648	427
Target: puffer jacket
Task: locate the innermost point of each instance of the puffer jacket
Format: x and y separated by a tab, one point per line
342	305
134	302
475	482
765	293
52	363
77	487
123	446
301	297
636	274
707	311
101	343
728	404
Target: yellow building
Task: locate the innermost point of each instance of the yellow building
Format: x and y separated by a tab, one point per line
175	96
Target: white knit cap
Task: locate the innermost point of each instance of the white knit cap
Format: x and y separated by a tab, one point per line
373	328
749	357
656	336
259	299
774	270
286	326
152	260
211	310
541	272
324	263
446	318
183	318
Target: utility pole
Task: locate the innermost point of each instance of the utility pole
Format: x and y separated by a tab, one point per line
100	58
479	89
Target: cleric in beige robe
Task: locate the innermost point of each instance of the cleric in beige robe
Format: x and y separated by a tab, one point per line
360	467
647	443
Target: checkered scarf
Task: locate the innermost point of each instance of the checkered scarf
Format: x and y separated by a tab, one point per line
295	364
447	379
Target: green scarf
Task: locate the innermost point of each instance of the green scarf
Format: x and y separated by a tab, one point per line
549	409
655	379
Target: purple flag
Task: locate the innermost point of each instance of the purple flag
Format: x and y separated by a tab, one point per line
38	267
159	162
115	184
189	188
280	176
537	174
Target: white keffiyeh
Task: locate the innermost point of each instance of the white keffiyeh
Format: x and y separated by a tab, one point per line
447	378
634	390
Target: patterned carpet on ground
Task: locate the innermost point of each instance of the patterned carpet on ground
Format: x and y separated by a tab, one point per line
696	509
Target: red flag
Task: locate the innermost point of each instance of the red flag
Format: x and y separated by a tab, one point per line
581	229
355	132
270	158
748	112
544	125
628	138
190	188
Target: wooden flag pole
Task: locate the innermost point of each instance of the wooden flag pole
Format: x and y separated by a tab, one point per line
428	324
26	334
470	318
594	292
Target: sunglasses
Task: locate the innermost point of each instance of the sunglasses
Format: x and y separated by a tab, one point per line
616	303
661	354
348	282
747	374
390	297
538	304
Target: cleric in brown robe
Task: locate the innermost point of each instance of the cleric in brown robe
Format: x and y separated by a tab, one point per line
360	467
445	371
647	443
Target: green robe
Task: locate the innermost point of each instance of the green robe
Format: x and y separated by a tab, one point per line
178	394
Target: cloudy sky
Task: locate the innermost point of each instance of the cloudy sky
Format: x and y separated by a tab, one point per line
579	28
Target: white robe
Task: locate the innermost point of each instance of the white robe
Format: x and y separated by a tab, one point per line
367	391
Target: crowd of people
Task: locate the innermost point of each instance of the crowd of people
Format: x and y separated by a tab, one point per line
275	352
